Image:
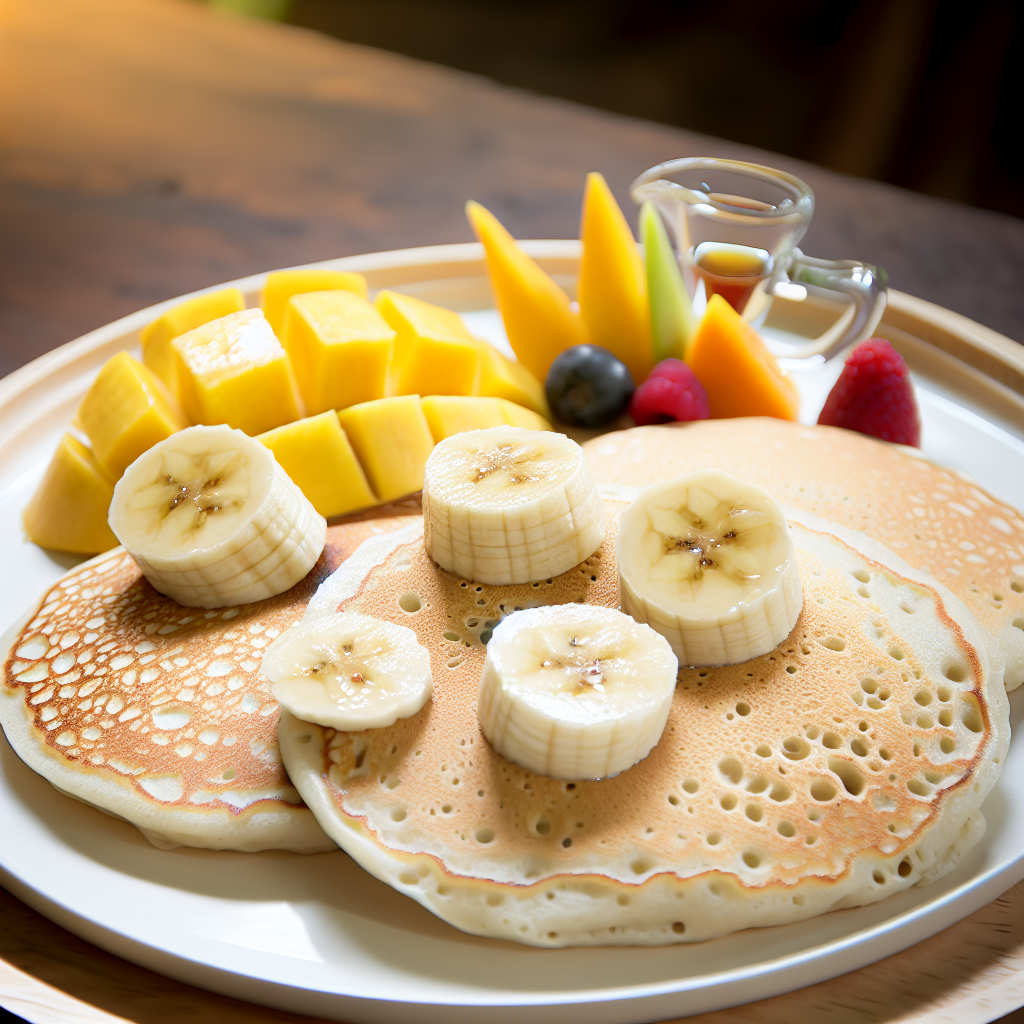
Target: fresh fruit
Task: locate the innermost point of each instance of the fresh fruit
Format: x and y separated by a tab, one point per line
504	378
392	439
316	454
452	414
575	691
671	392
156	337
612	285
672	320
213	520
539	320
283	284
508	505
68	511
349	671
234	371
707	560
874	395
434	353
739	374
126	411
339	347
517	416
587	386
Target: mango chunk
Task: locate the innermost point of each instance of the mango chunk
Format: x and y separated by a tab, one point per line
392	440
672	321
316	454
612	284
452	414
68	511
539	320
339	347
505	378
740	375
434	353
156	337
283	284
127	410
235	371
517	416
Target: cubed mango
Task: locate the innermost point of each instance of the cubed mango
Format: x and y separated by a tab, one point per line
434	353
127	410
283	284
501	377
339	347
452	414
392	439
68	511
156	337
316	454
235	371
518	416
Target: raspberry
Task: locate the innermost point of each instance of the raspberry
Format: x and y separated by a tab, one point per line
671	392
874	395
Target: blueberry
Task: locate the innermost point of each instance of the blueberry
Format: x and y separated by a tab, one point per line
588	387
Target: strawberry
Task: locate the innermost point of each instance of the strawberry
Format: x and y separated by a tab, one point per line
671	392
874	395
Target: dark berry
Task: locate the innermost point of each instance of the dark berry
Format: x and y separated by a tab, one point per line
874	395
671	392
587	386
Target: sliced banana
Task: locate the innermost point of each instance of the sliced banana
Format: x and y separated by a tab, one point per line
213	520
508	505
575	691
349	671
707	560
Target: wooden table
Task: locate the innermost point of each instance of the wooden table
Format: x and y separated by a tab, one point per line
150	147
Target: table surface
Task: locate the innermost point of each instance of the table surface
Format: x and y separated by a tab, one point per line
151	147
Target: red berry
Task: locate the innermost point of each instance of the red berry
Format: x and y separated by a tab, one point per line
671	392
874	395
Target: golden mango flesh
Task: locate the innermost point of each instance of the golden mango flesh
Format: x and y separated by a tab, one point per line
126	411
518	416
505	378
452	414
339	347
283	284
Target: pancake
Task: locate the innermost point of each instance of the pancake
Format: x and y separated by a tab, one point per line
845	766
156	713
937	520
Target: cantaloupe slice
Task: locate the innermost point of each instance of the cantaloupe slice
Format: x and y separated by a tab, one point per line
672	320
613	287
538	319
740	375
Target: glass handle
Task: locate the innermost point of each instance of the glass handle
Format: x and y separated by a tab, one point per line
861	285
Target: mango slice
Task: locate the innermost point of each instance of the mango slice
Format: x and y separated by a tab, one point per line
740	375
539	321
68	511
505	378
339	347
234	371
434	353
517	416
392	440
316	454
156	337
612	286
283	284
452	414
672	321
125	412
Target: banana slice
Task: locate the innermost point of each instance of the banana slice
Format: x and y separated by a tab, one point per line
575	691
213	520
349	671
707	560
508	505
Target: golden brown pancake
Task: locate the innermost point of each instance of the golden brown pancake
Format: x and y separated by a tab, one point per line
845	766
156	713
937	520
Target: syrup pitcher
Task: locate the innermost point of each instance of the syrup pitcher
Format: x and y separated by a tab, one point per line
735	227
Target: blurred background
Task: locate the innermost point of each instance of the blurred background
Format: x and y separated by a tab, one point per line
925	94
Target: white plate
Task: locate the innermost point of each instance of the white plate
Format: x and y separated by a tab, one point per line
316	934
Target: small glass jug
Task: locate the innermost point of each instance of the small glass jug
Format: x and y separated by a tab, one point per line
735	227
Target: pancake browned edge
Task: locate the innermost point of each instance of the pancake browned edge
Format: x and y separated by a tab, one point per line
845	766
937	520
156	713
